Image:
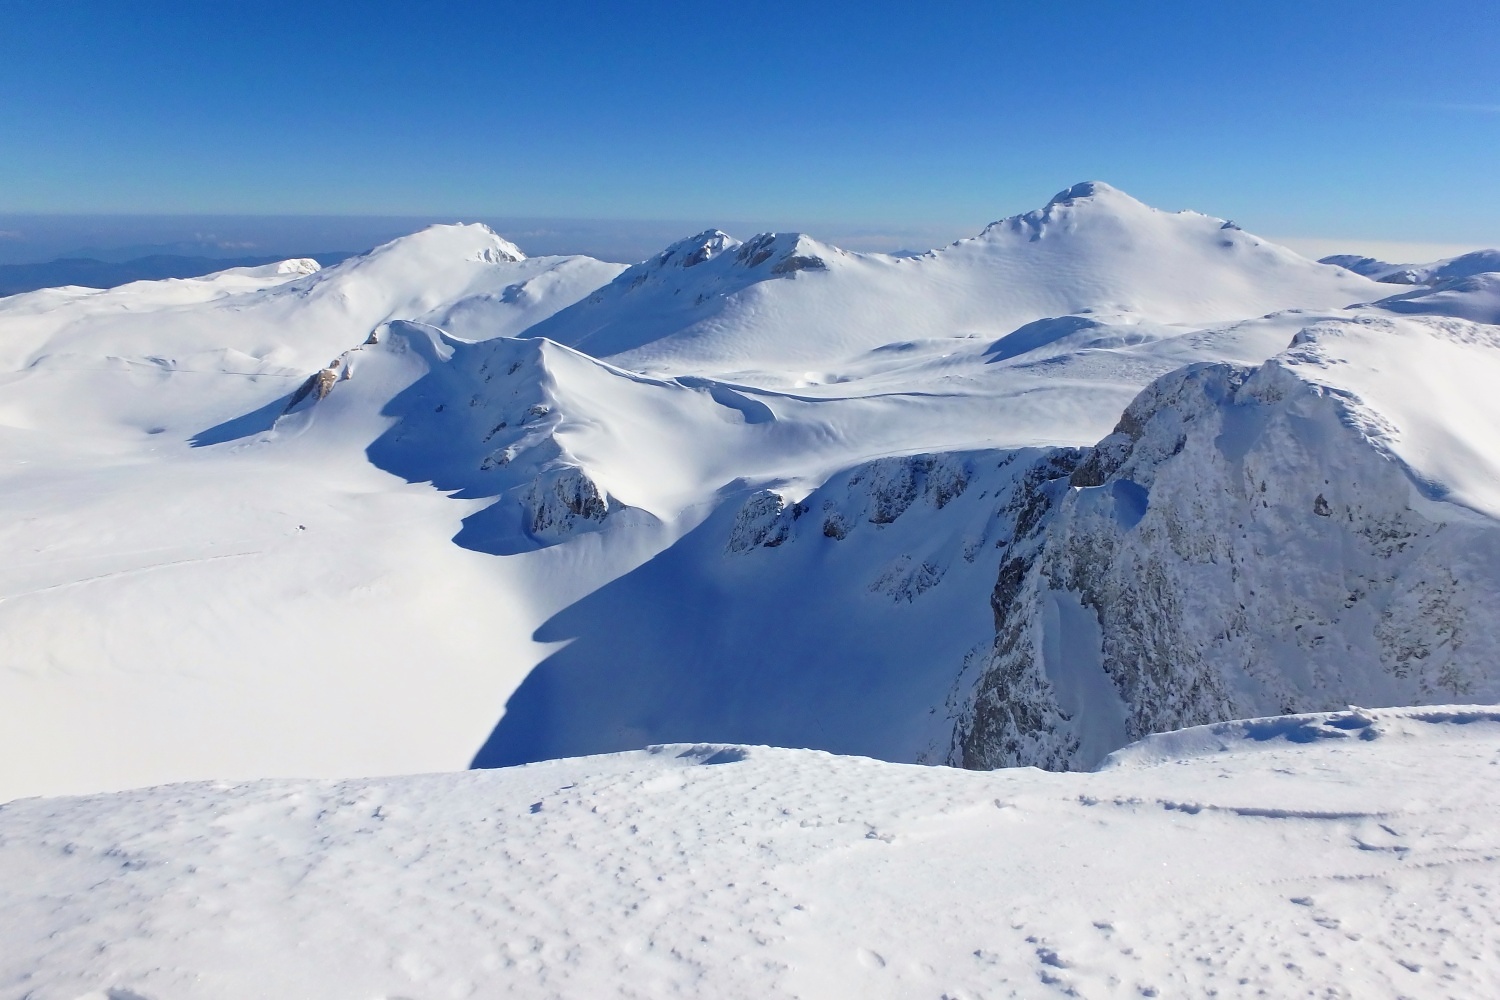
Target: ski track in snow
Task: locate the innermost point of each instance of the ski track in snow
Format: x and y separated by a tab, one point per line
124	572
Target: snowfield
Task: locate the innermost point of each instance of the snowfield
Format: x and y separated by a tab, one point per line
1351	854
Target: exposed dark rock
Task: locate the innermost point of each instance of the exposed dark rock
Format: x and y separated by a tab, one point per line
799	262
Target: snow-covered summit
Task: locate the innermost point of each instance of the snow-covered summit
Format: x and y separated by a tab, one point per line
1087	196
296	267
694	250
1087	189
785	299
683	300
1094	247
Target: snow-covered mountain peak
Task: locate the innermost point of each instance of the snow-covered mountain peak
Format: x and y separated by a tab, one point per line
297	267
1086	201
503	249
431	266
695	250
1089	189
460	240
786	253
785	300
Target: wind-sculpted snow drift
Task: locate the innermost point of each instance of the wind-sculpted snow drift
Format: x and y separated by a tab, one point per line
768	491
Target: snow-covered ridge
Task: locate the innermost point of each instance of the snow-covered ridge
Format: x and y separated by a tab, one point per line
1463	266
1249	736
1467	286
1475	298
1259	540
784	298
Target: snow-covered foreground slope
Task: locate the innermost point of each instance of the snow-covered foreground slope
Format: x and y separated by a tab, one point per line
1352	854
443	503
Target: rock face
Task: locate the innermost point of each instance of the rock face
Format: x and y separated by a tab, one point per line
563	500
760	522
319	384
1238	546
483	425
877	492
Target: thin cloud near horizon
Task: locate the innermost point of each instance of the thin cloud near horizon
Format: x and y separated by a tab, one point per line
1461	106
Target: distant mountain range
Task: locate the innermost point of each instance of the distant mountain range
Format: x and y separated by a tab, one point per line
1097	472
1463	266
91	272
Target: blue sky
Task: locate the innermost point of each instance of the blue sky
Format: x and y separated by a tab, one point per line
1336	119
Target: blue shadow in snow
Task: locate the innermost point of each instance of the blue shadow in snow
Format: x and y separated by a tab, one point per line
245	425
1038	333
694	646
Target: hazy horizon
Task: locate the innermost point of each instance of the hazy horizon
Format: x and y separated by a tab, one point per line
29	238
613	131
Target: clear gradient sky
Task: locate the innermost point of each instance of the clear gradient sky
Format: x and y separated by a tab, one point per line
1369	120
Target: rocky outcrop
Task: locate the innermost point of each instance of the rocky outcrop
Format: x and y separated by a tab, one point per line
1239	546
482	423
760	523
564	500
320	383
1007	713
875	493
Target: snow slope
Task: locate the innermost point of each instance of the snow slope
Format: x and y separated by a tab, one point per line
1350	854
172	611
1475	298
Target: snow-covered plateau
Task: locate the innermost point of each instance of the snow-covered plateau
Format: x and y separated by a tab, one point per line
1100	473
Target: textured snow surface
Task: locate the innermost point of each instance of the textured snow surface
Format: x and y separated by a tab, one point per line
1352	854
